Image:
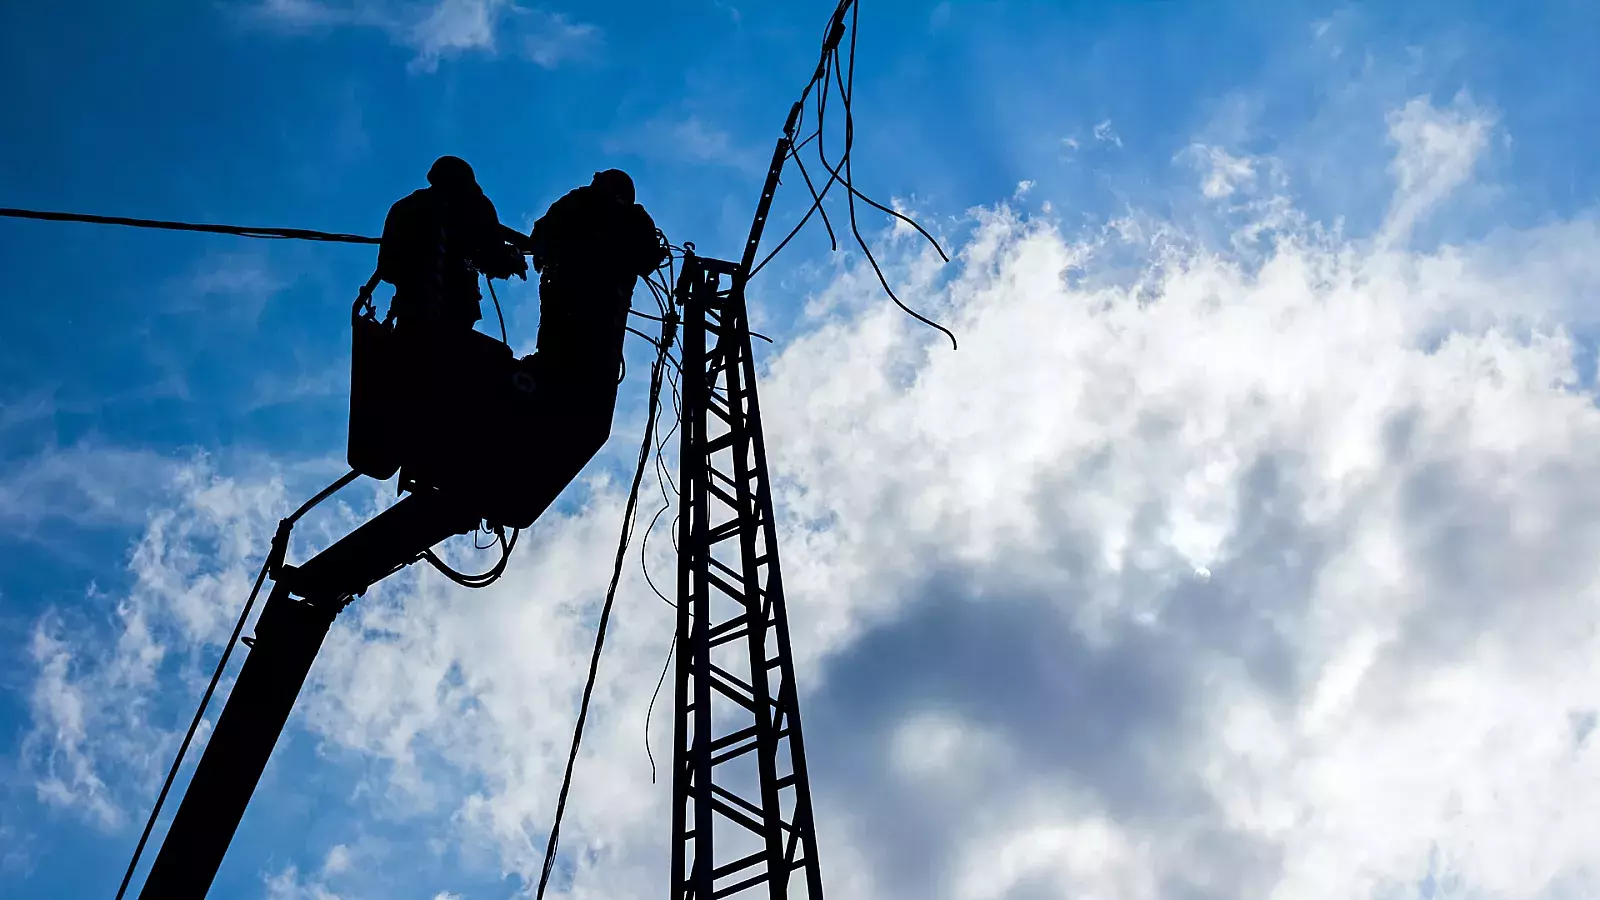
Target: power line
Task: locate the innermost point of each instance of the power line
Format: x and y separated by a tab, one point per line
291	234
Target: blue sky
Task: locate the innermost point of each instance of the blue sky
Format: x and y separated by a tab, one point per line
136	365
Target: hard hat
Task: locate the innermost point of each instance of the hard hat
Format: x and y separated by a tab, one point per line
615	182
451	171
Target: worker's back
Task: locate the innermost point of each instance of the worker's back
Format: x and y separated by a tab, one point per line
435	242
590	247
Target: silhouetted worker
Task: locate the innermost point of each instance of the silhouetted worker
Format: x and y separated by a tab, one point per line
590	248
435	242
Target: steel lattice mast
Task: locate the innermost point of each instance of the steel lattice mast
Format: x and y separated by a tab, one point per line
742	820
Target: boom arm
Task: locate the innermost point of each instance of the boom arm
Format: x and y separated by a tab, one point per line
303	603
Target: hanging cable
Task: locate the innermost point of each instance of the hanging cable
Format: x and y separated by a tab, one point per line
553	843
850	196
833	73
280	546
295	234
485	579
497	312
673	645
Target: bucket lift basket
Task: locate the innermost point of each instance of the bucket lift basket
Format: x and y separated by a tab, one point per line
458	412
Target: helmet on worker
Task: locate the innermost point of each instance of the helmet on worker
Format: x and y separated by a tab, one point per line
615	183
452	173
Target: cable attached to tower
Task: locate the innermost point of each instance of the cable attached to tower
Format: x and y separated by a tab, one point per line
833	74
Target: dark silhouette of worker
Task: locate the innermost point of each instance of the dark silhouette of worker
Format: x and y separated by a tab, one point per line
590	248
435	242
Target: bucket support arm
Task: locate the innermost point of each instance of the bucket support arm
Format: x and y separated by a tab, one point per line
298	612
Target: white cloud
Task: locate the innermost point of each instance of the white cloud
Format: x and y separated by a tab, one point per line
234	284
557	39
1437	150
454	26
102	730
689	137
1383	459
1104	134
441	29
87	484
287	884
1222	173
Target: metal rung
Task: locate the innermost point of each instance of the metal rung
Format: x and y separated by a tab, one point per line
725	568
727	498
727	691
737	817
735	753
736	888
734	679
733	623
742	803
729	740
726	588
726	530
736	865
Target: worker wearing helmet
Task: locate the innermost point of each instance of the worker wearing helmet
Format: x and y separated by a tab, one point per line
590	248
435	242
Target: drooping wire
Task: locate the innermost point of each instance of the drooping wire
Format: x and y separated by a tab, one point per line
656	375
296	234
852	193
500	315
833	74
280	544
482	580
673	645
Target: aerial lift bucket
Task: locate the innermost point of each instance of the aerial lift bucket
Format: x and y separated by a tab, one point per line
458	412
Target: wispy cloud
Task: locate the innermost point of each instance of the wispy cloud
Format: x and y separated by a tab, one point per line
442	29
236	284
1437	149
99	728
554	39
87	484
1222	173
1105	135
688	137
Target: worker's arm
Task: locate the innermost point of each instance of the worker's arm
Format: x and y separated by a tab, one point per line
551	233
493	256
394	257
647	252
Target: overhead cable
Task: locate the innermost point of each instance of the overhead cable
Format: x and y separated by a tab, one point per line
294	234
